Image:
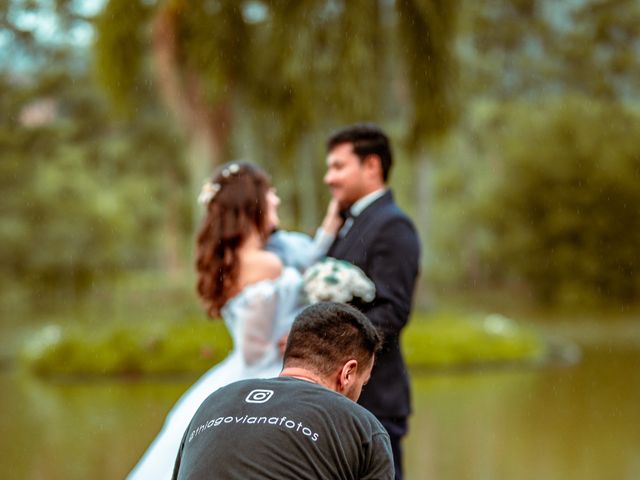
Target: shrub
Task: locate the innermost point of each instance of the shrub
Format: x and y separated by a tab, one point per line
187	347
192	347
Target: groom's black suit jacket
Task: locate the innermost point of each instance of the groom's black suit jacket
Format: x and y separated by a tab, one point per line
383	242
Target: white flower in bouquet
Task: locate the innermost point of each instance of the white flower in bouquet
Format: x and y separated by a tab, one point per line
333	280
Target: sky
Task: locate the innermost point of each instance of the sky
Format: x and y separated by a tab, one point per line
42	22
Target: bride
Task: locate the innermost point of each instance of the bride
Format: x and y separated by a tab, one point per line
249	276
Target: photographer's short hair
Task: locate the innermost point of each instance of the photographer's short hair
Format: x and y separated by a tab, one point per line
326	335
367	139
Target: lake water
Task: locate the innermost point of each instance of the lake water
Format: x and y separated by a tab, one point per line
580	422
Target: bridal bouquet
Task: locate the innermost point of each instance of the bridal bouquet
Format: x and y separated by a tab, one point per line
333	280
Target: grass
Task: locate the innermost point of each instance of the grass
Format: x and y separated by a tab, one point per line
446	340
119	349
192	346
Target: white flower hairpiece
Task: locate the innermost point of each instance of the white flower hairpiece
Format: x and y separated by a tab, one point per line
210	189
208	192
231	169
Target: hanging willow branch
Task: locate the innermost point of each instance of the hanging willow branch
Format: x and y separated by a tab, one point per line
426	30
314	64
119	51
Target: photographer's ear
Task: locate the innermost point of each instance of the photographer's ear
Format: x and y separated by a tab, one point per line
348	374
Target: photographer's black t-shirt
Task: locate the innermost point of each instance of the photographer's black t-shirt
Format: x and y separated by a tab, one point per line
283	428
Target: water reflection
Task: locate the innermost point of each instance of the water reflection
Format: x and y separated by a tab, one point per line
564	423
80	430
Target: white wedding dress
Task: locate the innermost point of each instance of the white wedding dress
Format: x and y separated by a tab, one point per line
257	318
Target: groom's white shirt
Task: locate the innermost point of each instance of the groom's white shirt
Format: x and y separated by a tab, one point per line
358	207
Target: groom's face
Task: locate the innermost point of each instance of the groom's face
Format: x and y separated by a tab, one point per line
345	175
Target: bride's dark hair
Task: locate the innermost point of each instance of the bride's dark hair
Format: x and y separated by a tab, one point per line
236	203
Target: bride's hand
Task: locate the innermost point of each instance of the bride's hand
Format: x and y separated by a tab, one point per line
332	219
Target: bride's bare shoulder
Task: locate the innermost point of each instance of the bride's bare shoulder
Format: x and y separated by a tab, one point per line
259	265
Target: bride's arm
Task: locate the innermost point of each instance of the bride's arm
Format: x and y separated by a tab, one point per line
259	314
299	250
257	339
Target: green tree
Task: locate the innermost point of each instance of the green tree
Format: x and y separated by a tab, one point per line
295	67
551	201
84	198
533	47
537	74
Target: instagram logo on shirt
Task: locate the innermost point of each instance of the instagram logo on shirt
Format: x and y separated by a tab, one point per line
259	396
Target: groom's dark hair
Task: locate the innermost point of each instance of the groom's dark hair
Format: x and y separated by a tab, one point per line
326	335
367	139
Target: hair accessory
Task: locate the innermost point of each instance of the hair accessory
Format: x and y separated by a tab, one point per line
208	192
231	169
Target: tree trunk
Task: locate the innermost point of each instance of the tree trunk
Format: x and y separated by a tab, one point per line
206	127
424	196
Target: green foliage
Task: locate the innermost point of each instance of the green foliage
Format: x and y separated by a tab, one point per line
550	201
84	197
524	47
427	30
234	54
194	346
212	42
119	50
307	66
126	349
536	191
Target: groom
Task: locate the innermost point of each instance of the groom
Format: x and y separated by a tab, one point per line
380	239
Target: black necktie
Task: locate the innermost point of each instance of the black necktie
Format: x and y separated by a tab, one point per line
348	223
